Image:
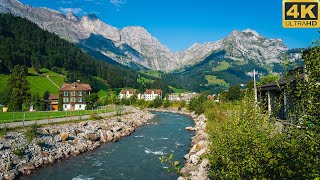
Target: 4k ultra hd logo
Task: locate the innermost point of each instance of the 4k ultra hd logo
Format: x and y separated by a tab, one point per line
301	14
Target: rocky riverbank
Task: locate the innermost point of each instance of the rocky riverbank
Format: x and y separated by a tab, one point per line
56	142
195	167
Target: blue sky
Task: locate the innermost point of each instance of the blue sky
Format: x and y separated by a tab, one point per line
180	23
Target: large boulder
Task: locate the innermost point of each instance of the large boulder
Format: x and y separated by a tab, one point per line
109	136
64	136
26	168
91	137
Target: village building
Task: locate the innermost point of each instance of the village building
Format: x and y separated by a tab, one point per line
53	100
126	94
152	94
73	96
182	96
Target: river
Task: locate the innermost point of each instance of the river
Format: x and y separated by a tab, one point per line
132	157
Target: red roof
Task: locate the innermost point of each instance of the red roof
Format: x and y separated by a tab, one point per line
75	86
156	91
131	91
53	96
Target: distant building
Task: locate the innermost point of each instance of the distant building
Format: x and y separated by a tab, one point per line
73	96
183	96
126	94
152	94
174	97
53	102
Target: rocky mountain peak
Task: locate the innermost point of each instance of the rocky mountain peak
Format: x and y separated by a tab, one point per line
253	32
72	16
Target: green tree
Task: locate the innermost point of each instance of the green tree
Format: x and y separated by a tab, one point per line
60	104
157	102
234	93
268	79
18	88
91	100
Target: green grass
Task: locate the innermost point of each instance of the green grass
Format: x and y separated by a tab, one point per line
222	66
7	117
143	79
212	80
102	86
176	90
39	83
152	73
3	80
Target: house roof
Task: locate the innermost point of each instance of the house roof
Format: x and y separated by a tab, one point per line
131	91
156	91
53	96
75	87
281	82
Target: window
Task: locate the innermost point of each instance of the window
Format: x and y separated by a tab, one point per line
65	100
65	93
73	93
79	99
80	106
65	106
79	93
73	99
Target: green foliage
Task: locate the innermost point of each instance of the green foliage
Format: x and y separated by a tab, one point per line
175	166
91	100
157	102
166	103
268	79
197	103
19	152
24	43
234	93
245	145
31	133
60	104
17	89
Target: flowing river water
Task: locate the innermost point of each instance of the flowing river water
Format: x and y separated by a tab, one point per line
132	157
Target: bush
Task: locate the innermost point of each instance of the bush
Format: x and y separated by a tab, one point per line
19	152
245	145
31	133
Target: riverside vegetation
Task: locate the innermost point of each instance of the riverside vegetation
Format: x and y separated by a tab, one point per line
245	144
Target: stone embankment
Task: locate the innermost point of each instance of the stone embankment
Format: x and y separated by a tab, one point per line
196	165
56	142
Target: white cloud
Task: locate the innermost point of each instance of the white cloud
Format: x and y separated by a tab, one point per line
73	10
118	2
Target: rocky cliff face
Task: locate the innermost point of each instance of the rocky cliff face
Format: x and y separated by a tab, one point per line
135	46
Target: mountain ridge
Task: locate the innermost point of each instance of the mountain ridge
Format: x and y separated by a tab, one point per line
134	46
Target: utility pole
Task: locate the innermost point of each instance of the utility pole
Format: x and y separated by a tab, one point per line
255	88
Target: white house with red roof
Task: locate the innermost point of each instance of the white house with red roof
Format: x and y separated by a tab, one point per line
73	96
152	94
127	93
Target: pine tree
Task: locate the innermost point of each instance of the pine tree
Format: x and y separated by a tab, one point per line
18	88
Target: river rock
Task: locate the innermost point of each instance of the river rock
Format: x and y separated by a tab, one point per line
186	170
109	136
91	137
64	136
190	128
26	168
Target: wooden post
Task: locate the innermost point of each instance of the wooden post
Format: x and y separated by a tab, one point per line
24	117
269	103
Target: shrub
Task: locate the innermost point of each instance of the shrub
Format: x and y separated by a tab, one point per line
19	152
245	145
31	133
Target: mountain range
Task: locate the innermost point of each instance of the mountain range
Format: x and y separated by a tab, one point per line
135	47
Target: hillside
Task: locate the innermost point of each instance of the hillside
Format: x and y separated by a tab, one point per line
24	43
